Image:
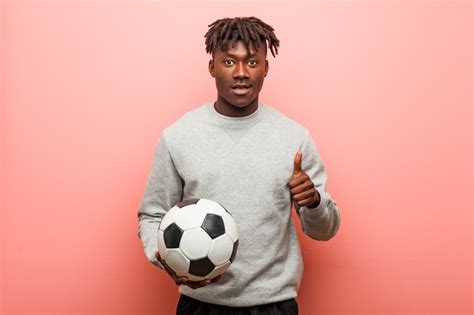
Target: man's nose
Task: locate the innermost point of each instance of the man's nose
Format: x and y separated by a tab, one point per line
241	71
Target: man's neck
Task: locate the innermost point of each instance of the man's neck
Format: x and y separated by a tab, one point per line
227	109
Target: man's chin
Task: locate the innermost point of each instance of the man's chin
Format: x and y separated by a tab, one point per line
241	104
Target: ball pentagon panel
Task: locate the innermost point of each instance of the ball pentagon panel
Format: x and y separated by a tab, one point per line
213	225
168	218
201	267
219	270
172	236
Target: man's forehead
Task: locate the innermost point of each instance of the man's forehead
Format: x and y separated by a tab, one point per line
250	50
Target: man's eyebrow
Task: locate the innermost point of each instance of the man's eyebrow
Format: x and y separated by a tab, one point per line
232	55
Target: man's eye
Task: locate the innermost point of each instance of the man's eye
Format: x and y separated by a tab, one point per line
252	62
228	62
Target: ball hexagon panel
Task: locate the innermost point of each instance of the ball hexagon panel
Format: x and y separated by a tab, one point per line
213	225
168	218
195	243
201	267
230	226
219	270
211	206
161	243
172	236
177	261
189	217
221	250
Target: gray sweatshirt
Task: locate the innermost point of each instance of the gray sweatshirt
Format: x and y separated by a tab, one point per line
245	164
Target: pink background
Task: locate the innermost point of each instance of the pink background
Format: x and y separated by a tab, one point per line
384	86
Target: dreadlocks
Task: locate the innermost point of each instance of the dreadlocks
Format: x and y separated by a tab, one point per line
250	30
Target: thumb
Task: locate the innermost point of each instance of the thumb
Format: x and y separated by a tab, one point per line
297	163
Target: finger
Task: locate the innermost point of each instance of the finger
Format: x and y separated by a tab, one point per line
181	280
297	163
203	282
298	180
200	282
197	284
306	185
304	195
193	286
177	279
216	278
169	270
306	202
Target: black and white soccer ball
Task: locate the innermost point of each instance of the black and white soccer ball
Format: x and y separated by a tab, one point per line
198	239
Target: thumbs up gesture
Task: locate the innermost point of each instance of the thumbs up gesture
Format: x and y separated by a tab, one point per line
302	187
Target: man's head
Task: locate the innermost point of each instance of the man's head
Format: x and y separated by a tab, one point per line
239	48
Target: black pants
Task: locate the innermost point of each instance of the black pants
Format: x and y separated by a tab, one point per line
190	306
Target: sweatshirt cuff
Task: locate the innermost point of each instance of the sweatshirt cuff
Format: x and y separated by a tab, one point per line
316	204
155	262
150	253
316	211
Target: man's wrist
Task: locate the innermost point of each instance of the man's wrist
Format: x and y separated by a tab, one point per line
317	202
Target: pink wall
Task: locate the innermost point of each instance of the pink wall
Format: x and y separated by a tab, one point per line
385	88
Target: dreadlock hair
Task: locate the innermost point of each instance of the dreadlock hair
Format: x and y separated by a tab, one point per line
250	30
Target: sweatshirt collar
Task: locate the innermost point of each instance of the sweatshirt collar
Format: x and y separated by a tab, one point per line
235	120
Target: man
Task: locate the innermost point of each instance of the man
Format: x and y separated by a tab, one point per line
254	161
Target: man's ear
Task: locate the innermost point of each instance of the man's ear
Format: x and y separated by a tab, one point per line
211	68
267	66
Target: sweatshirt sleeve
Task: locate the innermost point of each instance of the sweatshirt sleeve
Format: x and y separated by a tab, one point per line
163	190
320	223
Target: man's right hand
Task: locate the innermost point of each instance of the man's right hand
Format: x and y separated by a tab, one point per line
184	280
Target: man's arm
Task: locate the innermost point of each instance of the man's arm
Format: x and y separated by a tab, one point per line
163	190
319	219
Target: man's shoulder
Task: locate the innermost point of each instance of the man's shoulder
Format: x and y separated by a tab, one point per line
281	120
188	121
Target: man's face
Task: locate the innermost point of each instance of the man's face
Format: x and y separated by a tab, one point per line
239	73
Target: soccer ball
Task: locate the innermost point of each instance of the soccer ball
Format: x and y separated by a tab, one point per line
198	239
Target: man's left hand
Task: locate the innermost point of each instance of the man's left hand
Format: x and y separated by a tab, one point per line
301	186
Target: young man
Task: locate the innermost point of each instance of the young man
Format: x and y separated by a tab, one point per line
254	161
